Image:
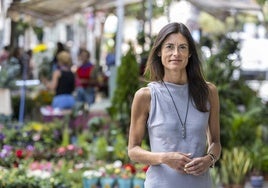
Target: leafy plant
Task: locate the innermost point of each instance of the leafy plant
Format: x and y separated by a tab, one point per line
127	82
240	106
235	165
259	154
100	148
120	148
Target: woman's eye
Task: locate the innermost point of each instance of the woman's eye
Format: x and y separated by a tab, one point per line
183	47
169	46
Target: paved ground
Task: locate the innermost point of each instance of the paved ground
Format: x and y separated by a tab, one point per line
249	186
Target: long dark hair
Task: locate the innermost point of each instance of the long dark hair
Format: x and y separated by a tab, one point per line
198	88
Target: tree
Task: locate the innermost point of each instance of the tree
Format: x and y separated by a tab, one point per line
127	82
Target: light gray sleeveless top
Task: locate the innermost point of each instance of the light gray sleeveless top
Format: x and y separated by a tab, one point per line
165	133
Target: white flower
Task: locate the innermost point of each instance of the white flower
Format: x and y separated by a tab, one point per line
118	164
39	173
92	174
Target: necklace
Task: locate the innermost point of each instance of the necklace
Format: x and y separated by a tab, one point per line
183	124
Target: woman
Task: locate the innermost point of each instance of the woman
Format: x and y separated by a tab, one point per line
181	112
85	81
62	83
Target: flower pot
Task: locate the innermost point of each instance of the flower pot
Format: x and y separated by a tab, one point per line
90	183
138	183
124	182
256	181
107	182
237	186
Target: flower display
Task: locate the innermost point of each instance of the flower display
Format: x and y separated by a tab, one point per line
90	174
127	171
140	170
70	152
110	170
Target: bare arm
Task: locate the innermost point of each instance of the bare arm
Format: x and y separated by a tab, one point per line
52	85
214	124
139	115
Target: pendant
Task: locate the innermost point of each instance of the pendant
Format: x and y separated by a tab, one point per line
183	132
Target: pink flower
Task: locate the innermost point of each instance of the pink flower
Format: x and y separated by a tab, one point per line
61	150
70	147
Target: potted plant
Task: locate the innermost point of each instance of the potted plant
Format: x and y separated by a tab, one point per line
125	176
235	165
259	155
91	178
139	177
109	173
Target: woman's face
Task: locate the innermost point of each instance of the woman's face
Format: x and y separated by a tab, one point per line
83	57
175	52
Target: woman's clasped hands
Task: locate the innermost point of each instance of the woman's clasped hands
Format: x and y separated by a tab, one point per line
183	163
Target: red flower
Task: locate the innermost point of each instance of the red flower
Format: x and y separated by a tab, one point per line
145	168
130	167
19	153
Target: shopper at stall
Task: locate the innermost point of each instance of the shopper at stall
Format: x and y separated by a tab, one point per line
86	79
62	83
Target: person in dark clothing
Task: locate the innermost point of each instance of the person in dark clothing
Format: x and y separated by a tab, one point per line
54	62
62	83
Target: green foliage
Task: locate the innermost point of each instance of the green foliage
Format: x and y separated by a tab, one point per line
138	10
235	165
120	148
39	33
127	82
241	109
259	153
100	148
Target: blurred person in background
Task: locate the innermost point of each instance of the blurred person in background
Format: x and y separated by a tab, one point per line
14	63
86	80
30	64
62	82
4	54
54	62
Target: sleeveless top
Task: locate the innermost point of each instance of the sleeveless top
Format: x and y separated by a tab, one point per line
165	135
66	83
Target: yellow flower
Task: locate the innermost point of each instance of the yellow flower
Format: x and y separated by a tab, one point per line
40	48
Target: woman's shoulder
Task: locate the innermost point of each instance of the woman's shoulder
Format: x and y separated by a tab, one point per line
143	94
142	99
212	87
213	91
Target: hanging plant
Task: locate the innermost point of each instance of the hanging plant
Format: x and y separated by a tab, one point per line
39	33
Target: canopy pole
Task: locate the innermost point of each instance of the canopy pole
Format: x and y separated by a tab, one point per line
118	45
119	33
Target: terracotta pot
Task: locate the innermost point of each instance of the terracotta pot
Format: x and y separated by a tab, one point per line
238	186
227	186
